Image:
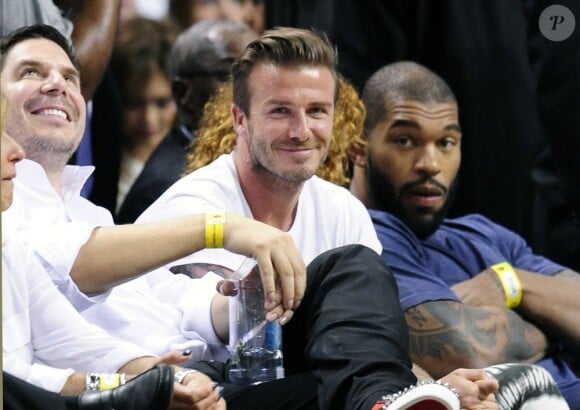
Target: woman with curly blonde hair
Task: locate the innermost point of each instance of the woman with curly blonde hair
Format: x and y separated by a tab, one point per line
216	134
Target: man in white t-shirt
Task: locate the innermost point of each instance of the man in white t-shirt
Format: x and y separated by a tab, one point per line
284	92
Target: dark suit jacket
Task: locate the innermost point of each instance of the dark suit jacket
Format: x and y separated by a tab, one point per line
162	169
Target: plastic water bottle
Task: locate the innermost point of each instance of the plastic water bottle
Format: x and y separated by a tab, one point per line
255	344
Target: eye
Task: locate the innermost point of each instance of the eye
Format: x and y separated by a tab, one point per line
71	79
30	72
279	111
318	111
447	143
403	141
162	103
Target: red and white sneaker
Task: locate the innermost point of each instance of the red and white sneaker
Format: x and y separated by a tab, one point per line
425	395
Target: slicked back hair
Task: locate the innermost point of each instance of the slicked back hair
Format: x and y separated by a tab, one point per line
282	46
37	31
404	80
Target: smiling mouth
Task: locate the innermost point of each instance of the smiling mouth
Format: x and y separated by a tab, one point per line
52	112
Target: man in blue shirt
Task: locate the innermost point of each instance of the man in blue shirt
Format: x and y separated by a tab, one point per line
473	292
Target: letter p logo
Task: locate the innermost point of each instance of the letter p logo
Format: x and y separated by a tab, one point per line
557	23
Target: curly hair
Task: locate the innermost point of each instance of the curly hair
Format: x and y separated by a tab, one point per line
216	135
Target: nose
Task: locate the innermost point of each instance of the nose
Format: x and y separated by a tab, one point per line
150	114
427	162
54	83
300	128
15	151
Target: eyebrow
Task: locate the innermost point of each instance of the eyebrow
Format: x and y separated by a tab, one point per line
413	124
286	102
35	63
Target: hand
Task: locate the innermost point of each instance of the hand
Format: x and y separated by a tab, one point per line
174	357
474	387
483	289
282	270
198	393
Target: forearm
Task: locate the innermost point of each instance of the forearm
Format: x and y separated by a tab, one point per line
95	26
553	303
75	384
115	254
138	365
220	317
443	339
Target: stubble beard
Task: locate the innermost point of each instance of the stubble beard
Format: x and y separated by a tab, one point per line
52	154
262	164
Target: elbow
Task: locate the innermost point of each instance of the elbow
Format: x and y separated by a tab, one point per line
87	283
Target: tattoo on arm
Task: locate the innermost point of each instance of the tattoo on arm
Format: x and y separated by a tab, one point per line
450	332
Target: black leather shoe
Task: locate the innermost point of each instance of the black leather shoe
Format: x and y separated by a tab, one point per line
151	390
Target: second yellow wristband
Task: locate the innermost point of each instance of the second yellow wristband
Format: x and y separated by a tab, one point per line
510	282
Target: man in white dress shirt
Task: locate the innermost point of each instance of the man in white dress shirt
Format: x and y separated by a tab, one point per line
47	344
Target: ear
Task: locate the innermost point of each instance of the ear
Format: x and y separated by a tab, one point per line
359	153
238	119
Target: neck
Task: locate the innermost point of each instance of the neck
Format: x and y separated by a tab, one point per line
271	200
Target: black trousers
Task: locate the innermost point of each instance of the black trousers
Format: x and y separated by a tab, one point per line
346	346
20	395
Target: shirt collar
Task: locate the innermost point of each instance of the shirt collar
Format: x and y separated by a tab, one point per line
72	179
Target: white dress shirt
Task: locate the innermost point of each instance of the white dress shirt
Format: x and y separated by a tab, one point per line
43	337
175	312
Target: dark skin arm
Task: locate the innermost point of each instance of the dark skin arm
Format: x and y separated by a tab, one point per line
550	302
445	335
95	26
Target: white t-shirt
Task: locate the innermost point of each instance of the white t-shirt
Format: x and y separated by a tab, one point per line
328	216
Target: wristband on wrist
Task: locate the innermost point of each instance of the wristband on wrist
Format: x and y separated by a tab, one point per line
214	229
182	374
510	282
104	381
110	381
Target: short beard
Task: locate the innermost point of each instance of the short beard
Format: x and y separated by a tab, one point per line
269	171
53	157
384	197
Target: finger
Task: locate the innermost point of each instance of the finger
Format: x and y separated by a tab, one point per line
299	269
275	313
221	404
210	400
487	387
286	316
174	357
285	277
268	278
226	288
186	396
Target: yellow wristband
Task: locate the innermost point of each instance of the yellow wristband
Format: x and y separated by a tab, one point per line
214	229
110	381
510	282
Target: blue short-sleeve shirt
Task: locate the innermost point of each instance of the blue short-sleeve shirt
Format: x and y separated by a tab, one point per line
460	249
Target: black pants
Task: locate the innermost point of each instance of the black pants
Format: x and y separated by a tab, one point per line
20	395
345	347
